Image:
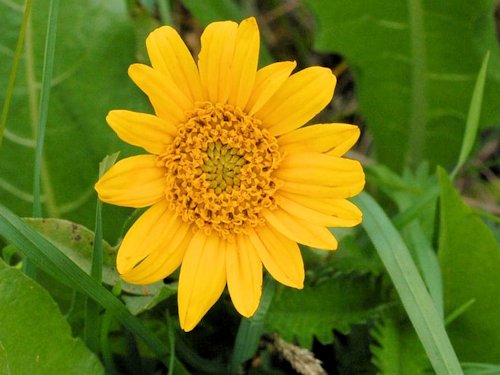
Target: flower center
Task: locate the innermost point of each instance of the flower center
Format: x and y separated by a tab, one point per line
220	170
222	167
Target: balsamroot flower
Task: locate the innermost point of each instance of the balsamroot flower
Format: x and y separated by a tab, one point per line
232	179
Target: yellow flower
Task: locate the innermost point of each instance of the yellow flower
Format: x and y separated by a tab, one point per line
232	179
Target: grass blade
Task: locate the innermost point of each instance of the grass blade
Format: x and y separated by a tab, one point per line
48	67
473	115
426	259
13	71
410	287
91	329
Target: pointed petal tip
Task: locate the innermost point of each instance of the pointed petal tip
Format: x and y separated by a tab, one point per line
299	285
251	21
187	327
246	311
189	321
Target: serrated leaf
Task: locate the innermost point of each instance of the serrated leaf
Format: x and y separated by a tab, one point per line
397	350
469	257
415	64
316	311
90	78
354	258
34	337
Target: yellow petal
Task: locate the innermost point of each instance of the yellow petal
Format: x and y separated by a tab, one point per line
244	275
268	80
280	255
170	56
202	279
335	139
313	216
319	191
299	99
215	60
168	101
340	208
141	129
245	60
152	250
300	230
320	169
133	182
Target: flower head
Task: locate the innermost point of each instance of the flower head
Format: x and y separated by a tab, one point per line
233	178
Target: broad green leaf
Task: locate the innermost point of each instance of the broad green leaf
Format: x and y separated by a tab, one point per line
4	361
13	71
414	63
471	368
397	350
470	262
89	79
214	10
317	310
34	337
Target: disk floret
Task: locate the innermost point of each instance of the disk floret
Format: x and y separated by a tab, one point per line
220	169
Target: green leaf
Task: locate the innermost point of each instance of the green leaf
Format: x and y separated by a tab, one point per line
473	116
13	71
34	337
470	262
77	242
89	79
414	63
317	310
139	304
214	10
481	369
426	259
397	349
409	285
